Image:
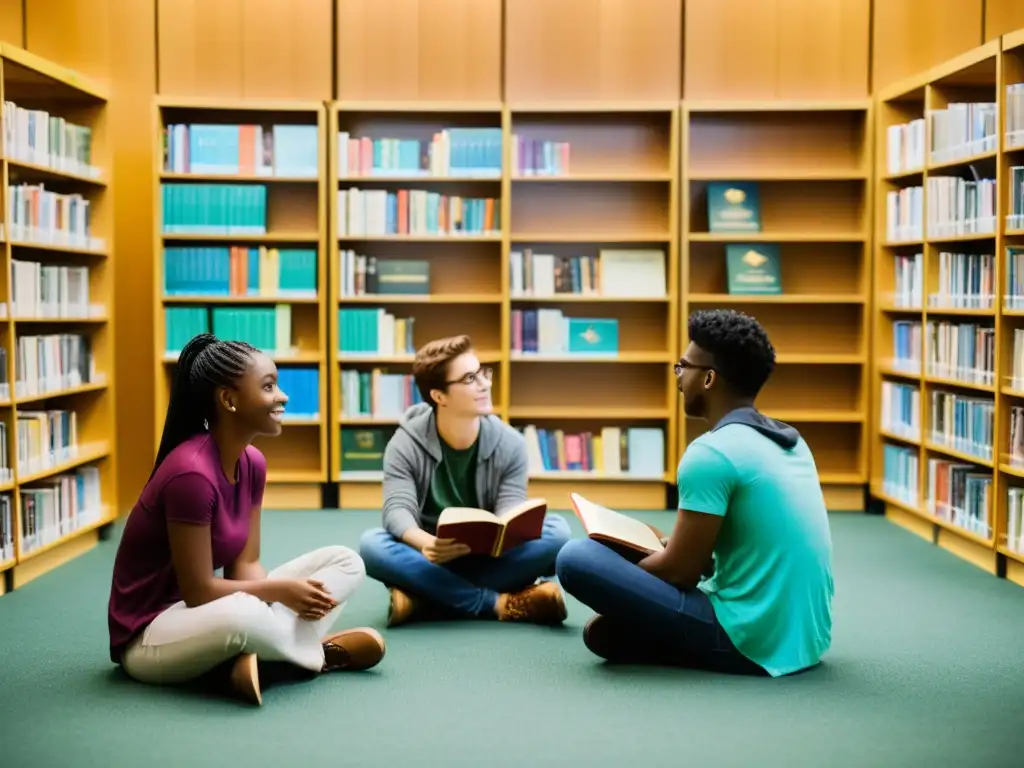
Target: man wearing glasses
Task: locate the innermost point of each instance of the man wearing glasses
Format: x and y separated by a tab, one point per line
451	451
750	496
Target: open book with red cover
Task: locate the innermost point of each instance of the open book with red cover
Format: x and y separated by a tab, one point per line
629	537
490	534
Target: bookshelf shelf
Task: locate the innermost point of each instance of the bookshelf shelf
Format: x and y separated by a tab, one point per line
952	346
802	170
242	249
592	257
54	501
532	167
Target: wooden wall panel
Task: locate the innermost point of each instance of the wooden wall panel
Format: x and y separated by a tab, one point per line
133	83
76	34
411	50
287	49
910	36
731	48
12	19
581	50
199	43
776	49
1002	16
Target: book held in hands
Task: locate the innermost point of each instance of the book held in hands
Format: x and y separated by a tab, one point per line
631	538
488	534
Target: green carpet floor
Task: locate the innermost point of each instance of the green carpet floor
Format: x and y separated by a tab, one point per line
926	669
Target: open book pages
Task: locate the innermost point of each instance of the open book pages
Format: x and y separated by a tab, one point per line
452	515
605	524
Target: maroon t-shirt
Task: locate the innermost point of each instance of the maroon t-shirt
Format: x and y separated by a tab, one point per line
189	487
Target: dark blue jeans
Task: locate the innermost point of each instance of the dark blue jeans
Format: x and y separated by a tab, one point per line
468	585
645	619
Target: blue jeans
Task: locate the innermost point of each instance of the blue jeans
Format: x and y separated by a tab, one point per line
468	585
645	619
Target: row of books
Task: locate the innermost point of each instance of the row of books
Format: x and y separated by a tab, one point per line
1015	214
213	209
7	527
377	394
957	206
901	409
470	153
539	157
1015	115
381	212
964	281
39	290
241	150
905	146
363	331
549	332
59	506
302	386
266	328
1015	517
962	351
239	270
52	363
959	422
957	492
962	130
629	451
38	137
958	131
963	423
46	439
614	272
360	275
39	215
904	215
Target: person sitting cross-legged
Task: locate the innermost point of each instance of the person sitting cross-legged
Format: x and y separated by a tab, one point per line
744	583
451	451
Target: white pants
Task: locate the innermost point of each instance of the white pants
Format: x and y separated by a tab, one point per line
183	643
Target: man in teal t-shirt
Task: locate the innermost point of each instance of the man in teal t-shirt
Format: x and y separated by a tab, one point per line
745	580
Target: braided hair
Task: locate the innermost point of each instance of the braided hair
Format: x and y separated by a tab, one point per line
204	364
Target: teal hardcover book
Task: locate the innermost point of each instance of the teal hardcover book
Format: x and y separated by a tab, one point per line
590	336
753	268
734	206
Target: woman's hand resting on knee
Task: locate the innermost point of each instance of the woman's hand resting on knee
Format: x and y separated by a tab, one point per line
307	597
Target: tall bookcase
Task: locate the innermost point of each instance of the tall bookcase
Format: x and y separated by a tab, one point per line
803	170
948	462
57	459
241	243
552	198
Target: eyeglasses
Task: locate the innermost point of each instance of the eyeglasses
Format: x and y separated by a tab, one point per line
485	373
682	365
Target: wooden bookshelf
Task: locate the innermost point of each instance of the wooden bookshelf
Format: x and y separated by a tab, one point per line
619	192
921	260
463	289
810	163
268	250
57	500
593	191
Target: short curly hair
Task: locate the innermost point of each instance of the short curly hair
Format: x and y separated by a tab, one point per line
742	353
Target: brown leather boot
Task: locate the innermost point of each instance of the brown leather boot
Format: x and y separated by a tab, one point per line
353	650
401	609
539	603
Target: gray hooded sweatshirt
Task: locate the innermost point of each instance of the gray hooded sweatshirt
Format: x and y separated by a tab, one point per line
413	453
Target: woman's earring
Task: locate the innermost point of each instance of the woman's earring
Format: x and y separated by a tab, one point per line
206	425
231	408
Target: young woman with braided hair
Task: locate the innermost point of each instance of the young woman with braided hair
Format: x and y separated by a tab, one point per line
171	619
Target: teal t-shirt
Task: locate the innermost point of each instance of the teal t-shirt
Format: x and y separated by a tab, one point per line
772	587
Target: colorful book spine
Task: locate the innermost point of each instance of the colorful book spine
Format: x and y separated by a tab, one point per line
290	151
633	451
962	351
906	346
381	212
374	331
377	394
239	270
539	157
965	281
901	409
466	153
900	473
962	423
960	494
213	209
